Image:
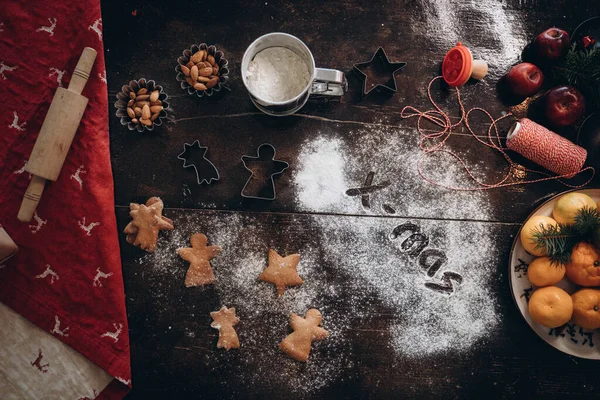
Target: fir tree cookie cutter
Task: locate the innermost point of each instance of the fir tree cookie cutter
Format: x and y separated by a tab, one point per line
194	156
264	167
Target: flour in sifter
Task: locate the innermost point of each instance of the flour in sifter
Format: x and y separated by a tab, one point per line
277	74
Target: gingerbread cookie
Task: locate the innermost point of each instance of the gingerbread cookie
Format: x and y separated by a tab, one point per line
224	320
297	344
281	271
199	256
147	222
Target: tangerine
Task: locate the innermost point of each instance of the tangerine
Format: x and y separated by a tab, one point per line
568	205
551	306
586	308
529	228
542	272
584	267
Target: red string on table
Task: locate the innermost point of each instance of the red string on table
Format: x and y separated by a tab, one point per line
438	117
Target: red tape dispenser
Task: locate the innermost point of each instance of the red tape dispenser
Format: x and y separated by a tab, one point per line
459	66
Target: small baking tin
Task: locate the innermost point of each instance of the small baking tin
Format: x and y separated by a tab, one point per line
219	60
123	98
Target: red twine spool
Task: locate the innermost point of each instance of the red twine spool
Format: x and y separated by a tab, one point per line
531	140
546	148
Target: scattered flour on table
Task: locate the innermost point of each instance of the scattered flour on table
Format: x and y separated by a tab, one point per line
277	74
429	322
328	167
264	316
502	42
351	267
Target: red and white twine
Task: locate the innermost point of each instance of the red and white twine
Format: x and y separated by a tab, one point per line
534	142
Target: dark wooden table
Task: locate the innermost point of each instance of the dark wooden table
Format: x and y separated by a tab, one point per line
353	269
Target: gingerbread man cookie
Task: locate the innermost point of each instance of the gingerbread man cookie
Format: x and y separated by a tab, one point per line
199	256
224	320
282	271
297	344
147	222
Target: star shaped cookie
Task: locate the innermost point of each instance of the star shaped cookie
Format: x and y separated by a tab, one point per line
199	256
147	222
282	271
224	320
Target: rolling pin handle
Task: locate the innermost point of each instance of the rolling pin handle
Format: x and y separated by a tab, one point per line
31	198
82	70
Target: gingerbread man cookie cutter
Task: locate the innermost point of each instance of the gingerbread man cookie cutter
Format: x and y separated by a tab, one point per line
194	156
264	167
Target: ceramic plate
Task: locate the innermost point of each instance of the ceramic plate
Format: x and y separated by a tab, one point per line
570	339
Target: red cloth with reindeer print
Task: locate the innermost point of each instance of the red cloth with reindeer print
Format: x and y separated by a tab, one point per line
66	278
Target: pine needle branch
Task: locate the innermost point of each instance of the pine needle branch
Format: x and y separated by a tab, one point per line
581	68
558	241
586	221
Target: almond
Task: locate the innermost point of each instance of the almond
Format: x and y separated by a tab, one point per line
194	73
154	95
215	70
198	56
154	116
142	91
217	67
204	55
189	64
130	112
143	97
211	60
130	103
141	104
205	71
199	86
137	111
156	109
135	120
156	103
201	65
203	79
185	70
189	81
146	122
132	95
212	82
146	112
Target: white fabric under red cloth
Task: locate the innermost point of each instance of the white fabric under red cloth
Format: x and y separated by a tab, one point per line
66	278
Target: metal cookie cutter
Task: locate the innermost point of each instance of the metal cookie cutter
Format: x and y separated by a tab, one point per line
260	185
194	156
379	65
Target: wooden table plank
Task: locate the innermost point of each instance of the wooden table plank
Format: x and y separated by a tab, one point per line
174	352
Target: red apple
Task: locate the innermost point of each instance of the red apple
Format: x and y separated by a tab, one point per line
552	44
524	79
564	106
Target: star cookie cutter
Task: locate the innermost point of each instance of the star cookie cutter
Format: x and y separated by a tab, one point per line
381	65
261	185
205	170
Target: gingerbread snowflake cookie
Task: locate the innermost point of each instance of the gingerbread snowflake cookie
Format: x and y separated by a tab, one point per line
297	344
199	256
147	222
224	320
282	271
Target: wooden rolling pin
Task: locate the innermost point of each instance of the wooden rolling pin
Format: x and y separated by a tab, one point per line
56	135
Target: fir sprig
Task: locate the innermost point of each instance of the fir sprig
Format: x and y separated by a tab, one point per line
559	240
586	221
581	68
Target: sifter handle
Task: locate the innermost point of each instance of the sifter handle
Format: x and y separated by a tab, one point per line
82	70
32	198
